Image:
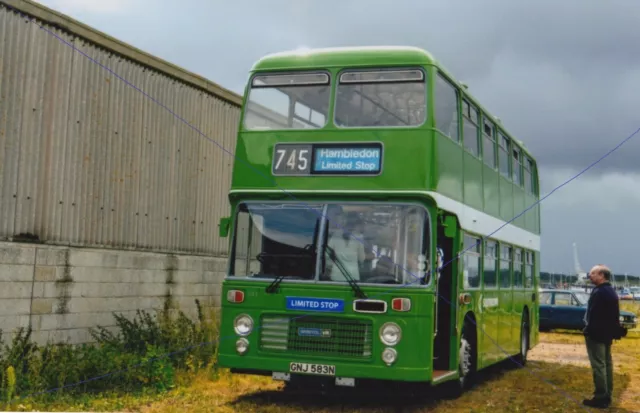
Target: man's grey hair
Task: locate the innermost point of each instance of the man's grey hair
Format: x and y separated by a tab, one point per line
604	270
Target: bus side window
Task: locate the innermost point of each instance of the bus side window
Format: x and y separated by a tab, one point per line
446	108
504	157
516	166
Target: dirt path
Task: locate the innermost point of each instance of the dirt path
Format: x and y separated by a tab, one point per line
576	354
570	353
563	353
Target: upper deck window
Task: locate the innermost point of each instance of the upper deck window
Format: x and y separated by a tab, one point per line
446	107
288	101
381	98
504	146
529	177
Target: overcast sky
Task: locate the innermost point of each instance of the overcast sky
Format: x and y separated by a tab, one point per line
564	78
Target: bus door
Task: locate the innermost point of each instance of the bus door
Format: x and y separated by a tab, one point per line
444	303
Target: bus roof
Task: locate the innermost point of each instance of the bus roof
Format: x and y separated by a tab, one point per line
344	56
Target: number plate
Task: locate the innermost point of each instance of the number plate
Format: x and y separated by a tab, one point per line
310	368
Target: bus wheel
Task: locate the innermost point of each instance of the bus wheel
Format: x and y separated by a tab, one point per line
465	364
466	359
524	341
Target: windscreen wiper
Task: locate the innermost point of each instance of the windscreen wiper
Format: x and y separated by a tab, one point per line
273	287
354	285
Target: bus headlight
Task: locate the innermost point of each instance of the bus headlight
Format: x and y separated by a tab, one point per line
390	334
243	325
389	356
242	345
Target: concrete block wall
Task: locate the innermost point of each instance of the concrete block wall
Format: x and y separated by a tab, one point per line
62	291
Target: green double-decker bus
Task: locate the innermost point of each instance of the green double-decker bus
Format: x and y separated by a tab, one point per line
366	195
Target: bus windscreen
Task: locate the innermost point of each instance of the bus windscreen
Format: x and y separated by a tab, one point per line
375	243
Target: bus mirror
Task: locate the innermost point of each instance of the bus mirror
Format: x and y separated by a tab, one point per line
224	226
450	226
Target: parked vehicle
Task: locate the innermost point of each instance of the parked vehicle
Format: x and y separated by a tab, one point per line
625	294
566	309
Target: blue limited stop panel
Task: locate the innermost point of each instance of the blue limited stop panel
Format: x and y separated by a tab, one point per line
330	305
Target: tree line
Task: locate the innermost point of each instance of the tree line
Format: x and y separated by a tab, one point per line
555	278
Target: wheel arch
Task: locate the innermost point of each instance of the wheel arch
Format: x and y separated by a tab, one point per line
527	311
470	323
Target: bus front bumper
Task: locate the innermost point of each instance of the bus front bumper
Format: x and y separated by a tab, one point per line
342	372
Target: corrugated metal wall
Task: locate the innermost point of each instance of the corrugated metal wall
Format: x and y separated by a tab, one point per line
87	160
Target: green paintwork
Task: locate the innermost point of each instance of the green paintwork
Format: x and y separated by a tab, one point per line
411	365
491	192
224	224
451	226
415	159
343	58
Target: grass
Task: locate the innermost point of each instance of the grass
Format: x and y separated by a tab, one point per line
631	306
552	382
545	385
556	379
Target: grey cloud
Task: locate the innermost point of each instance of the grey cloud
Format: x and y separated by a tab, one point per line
597	211
577	36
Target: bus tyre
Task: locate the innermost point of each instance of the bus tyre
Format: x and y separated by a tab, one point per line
466	366
524	341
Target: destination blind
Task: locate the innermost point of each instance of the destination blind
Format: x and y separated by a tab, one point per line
345	160
328	159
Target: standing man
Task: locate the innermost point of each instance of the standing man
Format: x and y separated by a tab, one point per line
602	326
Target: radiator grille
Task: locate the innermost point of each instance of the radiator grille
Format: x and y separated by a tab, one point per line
316	335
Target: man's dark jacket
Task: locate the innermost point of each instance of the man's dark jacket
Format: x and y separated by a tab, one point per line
603	314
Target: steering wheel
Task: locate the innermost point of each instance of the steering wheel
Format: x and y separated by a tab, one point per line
382	279
260	257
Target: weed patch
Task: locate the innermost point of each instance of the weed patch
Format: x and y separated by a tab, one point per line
132	359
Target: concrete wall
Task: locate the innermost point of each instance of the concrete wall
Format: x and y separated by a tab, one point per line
63	291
